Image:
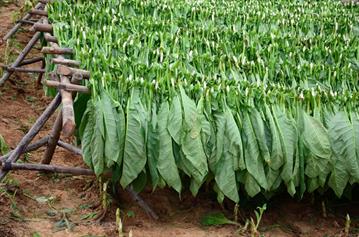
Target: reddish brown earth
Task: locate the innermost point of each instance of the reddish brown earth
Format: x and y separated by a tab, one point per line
33	204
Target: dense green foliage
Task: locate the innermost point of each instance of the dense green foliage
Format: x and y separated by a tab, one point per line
251	95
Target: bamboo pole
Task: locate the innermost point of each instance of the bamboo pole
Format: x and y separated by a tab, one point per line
40	122
21	56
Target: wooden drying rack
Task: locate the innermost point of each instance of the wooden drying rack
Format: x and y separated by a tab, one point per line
66	78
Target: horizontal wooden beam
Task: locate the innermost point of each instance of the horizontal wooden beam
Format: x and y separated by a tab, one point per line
66	62
26	22
70	147
50	38
31	61
38	12
26	70
48	168
68	71
41	27
56	50
67	86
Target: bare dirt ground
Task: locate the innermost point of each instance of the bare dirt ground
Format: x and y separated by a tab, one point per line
34	204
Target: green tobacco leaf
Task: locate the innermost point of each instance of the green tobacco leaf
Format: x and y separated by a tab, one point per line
192	148
121	131
112	151
316	140
316	137
175	120
88	122
216	219
97	141
135	158
234	141
253	158
153	147
276	160
166	163
259	130
229	140
289	139
344	137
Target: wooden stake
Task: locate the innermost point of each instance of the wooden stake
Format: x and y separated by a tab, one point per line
52	141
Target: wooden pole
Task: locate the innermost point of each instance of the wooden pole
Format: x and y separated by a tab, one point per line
29	22
67	87
21	56
49	38
40	122
39	78
31	61
70	147
28	70
142	203
52	141
68	71
38	12
66	62
56	50
48	168
42	27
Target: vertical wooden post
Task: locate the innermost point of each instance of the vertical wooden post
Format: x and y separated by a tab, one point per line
53	139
